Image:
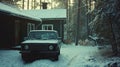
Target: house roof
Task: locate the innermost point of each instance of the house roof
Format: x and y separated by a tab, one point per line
48	13
16	12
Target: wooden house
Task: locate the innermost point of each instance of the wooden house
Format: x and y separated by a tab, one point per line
52	19
15	25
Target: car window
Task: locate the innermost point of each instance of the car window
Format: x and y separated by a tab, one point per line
42	35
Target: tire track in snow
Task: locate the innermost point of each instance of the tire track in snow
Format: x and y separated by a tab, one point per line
81	57
74	58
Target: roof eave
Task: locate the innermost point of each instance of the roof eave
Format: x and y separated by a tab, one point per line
20	16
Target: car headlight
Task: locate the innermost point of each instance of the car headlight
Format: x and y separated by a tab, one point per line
26	47
51	47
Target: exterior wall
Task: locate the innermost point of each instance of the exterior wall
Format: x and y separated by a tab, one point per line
12	30
6	30
22	30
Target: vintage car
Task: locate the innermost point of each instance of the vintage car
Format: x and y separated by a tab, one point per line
41	43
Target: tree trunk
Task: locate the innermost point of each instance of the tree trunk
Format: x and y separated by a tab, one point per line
22	4
28	4
40	4
113	38
78	24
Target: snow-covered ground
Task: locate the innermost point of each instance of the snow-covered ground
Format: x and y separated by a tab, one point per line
71	56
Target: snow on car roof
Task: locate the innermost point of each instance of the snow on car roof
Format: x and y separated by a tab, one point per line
16	12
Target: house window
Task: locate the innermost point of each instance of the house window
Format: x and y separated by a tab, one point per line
47	27
30	26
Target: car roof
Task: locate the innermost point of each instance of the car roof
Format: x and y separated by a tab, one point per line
43	31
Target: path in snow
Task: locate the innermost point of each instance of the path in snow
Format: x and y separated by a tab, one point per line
82	56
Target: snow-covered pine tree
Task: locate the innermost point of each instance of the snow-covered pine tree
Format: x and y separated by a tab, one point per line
107	21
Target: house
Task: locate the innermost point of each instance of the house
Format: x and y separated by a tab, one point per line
52	19
15	25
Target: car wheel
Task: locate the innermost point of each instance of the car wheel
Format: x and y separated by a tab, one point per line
59	53
25	57
54	58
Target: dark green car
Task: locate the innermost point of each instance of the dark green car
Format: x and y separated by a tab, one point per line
41	43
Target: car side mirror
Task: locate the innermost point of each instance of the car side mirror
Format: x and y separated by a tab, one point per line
25	38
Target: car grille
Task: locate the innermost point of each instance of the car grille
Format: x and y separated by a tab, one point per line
39	47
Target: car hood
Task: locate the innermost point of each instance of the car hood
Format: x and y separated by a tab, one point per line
40	41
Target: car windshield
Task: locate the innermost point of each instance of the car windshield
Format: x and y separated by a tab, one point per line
42	35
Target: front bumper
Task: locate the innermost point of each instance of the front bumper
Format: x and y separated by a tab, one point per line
41	52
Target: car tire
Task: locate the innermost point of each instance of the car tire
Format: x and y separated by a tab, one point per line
25	57
59	52
54	58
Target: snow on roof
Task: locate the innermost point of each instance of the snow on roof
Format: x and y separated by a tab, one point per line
16	12
48	13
